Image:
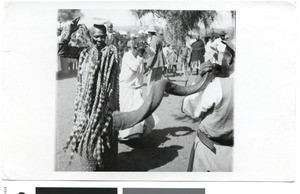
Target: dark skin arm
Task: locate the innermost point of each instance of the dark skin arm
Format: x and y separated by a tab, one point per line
64	49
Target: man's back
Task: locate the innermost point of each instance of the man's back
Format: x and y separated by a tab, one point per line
158	59
198	51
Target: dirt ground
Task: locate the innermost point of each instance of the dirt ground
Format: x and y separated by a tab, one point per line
166	148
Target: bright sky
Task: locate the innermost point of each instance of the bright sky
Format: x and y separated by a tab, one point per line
125	18
117	17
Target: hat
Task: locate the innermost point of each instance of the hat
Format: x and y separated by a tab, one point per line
109	24
122	32
151	29
141	32
132	35
222	33
100	27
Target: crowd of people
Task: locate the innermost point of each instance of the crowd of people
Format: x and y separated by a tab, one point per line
148	54
178	58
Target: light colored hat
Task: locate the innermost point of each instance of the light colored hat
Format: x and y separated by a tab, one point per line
141	32
151	29
123	32
132	35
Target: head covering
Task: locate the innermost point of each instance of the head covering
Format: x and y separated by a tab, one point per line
141	32
100	27
151	29
132	35
122	32
222	33
109	24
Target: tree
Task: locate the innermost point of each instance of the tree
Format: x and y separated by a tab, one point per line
68	14
179	22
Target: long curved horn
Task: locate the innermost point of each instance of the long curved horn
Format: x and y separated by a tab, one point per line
123	120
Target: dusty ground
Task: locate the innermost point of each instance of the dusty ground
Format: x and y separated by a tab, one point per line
167	148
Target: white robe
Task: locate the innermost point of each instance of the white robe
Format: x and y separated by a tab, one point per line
131	82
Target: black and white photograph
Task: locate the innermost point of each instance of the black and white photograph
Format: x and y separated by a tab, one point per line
145	90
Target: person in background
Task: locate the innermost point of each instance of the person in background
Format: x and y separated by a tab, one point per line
197	56
70	44
161	36
156	61
131	82
122	44
167	51
173	58
183	55
219	46
141	35
209	52
131	41
112	38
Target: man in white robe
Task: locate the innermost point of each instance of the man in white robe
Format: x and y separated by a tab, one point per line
131	82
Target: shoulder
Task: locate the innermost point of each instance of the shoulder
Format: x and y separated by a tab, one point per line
213	90
215	84
218	40
126	55
109	50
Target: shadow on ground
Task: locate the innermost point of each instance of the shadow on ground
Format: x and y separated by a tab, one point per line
149	153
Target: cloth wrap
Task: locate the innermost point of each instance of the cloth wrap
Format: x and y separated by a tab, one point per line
97	97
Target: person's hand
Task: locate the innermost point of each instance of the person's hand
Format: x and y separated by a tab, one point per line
142	44
206	67
74	25
146	69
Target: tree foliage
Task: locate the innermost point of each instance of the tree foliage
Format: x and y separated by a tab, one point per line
179	22
68	14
